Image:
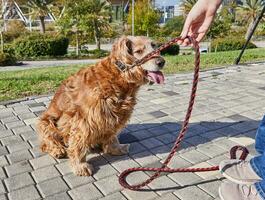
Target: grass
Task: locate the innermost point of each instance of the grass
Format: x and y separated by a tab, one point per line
18	84
176	64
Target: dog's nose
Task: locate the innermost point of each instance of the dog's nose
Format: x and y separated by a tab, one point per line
160	62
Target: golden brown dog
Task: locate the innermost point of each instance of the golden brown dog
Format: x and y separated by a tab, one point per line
93	105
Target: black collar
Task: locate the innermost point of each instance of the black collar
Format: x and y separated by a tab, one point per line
121	66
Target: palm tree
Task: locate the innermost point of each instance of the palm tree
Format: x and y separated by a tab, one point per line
186	6
99	14
249	11
40	9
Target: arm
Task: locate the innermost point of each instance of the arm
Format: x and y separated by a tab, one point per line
199	20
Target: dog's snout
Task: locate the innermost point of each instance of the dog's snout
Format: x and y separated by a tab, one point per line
160	62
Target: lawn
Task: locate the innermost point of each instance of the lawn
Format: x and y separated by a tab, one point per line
19	84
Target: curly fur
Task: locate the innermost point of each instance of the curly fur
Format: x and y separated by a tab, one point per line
90	108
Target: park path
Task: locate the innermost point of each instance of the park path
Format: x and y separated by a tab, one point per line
228	108
48	63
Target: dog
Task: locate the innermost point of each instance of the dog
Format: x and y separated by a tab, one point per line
92	106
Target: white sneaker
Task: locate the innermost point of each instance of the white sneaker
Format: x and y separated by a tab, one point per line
239	171
232	191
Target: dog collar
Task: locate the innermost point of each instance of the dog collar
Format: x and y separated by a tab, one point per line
121	66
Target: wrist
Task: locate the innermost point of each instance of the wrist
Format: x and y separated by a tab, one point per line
216	3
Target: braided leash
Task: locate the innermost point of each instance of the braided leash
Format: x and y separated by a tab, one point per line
164	168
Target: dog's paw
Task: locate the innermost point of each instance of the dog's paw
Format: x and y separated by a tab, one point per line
58	153
83	169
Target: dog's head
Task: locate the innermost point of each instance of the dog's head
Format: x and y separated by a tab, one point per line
129	48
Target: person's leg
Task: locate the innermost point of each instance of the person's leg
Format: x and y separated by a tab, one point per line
260	187
260	137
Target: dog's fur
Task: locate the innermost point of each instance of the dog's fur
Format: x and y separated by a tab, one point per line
93	105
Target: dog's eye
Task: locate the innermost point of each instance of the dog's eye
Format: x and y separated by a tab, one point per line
139	51
153	45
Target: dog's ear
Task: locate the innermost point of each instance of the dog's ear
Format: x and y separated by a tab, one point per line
123	47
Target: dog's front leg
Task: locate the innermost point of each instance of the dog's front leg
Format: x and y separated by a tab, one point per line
113	147
77	154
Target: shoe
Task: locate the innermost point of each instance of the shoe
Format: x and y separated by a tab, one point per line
232	191
239	171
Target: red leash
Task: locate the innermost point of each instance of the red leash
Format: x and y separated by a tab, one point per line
183	131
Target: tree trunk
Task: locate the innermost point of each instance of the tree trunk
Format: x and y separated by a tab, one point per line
249	28
97	35
42	24
77	43
2	41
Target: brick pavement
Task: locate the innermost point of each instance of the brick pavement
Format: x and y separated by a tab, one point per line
228	108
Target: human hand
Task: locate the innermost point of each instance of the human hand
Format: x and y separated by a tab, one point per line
199	20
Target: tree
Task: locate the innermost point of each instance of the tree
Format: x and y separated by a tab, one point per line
145	18
40	9
249	11
186	6
88	17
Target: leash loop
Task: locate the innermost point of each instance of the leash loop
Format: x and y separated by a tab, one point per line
183	131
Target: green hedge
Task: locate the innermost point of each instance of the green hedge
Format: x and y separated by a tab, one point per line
230	44
172	50
37	45
7	59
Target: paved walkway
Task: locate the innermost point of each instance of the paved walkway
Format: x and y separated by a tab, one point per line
47	63
229	105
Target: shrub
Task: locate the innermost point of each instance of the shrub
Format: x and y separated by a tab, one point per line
37	45
7	59
230	44
172	50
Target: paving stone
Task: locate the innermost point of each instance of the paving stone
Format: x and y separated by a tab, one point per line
52	186
36	109
29	193
42	161
104	171
116	196
127	138
161	152
151	143
85	192
168	196
19	181
18	147
32	105
11	140
242	140
166	138
64	168
145	158
136	147
124	164
45	173
14	124
192	192
9	119
61	196
28	115
205	175
185	179
211	187
3	151
177	161
132	195
5	133
18	168
108	185
36	152
216	160
196	140
2	188
31	121
22	129
194	156
3	161
3	197
74	181
163	185
19	156
211	150
30	135
157	114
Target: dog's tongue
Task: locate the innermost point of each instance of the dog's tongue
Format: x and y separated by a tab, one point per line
156	76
